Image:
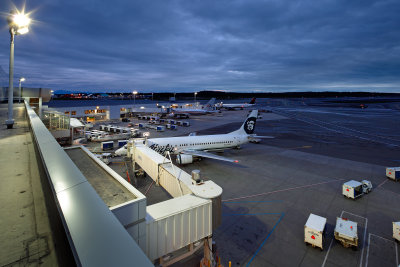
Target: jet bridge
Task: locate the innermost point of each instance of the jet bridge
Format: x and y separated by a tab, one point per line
165	227
189	217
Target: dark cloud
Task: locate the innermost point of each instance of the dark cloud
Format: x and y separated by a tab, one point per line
242	45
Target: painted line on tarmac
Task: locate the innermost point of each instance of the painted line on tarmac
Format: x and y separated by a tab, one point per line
326	256
382	183
253	214
265	240
365	232
395	248
281	190
253	201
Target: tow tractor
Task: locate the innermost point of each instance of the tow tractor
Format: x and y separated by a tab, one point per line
354	189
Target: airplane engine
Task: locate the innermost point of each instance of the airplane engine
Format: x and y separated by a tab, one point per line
184	159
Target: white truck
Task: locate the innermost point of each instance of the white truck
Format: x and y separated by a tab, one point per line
314	231
354	189
393	173
346	232
396	231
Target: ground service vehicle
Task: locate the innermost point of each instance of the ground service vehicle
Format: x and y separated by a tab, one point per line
314	231
393	173
346	232
354	189
396	231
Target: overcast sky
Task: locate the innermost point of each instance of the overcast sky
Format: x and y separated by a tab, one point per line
163	45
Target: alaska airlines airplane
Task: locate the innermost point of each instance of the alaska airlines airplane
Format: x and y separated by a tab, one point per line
189	147
239	105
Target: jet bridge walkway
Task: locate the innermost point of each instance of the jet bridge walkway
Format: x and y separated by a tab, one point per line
188	218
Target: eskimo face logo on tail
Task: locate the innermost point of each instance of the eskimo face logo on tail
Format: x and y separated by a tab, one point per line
250	125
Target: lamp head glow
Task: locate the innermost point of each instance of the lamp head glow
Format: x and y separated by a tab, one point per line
134	92
19	21
22	79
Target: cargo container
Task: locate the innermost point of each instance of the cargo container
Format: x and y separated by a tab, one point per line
179	123
173	122
173	127
107	145
113	129
160	128
141	125
314	231
346	232
162	120
396	231
121	143
393	173
353	189
186	124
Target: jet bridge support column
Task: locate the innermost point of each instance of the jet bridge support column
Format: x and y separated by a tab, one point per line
207	260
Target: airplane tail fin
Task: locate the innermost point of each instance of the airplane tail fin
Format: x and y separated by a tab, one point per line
253	101
249	124
210	104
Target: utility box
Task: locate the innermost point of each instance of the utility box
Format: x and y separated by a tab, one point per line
393	173
107	145
346	233
396	231
314	231
354	189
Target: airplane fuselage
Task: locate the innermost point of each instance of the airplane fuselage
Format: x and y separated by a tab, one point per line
205	142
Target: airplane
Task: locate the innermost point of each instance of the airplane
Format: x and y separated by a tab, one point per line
238	105
190	147
205	109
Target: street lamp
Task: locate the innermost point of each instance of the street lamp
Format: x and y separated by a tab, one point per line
134	97
195	94
19	24
22	79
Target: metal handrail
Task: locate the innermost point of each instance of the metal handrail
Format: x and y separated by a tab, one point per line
95	235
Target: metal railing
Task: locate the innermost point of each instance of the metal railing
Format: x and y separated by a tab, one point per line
95	235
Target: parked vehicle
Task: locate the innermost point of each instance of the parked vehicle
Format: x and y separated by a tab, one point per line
393	173
314	231
346	232
353	189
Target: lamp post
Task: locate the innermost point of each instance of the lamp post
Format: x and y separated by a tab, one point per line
22	79
195	94
19	24
134	97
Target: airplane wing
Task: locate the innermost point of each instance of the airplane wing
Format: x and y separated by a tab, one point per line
204	154
258	136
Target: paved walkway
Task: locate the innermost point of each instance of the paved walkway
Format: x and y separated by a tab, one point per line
25	234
